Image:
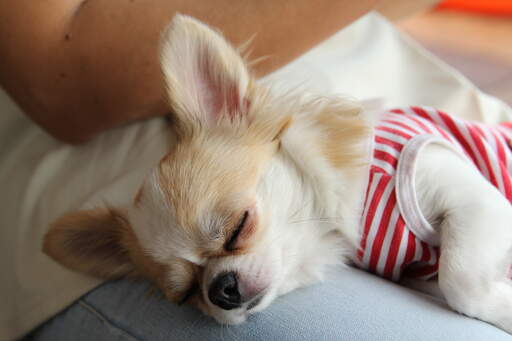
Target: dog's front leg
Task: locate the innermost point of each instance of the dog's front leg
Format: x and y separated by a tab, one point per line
475	223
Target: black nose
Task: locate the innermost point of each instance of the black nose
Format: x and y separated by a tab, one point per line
224	292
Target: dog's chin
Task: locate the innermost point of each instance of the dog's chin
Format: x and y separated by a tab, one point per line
234	316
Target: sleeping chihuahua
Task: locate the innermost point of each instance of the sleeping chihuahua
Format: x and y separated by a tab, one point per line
262	192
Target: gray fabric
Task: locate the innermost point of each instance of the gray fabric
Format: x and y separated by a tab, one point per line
349	305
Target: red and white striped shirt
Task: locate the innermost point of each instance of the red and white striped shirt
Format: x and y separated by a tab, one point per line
396	239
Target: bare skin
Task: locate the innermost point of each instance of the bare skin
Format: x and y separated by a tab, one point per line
80	67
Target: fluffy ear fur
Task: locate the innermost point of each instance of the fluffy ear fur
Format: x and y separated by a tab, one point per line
90	242
206	77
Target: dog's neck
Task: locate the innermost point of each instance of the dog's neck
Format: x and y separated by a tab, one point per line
333	194
310	201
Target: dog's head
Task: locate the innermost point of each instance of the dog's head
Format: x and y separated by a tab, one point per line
220	222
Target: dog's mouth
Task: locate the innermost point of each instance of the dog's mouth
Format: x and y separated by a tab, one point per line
239	315
254	303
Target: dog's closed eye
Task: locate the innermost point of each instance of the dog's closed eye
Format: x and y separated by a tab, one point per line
231	243
244	231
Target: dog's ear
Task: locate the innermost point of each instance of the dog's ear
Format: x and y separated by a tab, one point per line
91	242
206	77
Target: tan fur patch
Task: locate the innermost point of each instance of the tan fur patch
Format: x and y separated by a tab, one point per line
343	137
207	171
90	242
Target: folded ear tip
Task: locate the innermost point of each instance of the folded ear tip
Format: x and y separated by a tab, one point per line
48	248
54	240
89	242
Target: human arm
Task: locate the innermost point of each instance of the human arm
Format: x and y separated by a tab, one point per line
80	67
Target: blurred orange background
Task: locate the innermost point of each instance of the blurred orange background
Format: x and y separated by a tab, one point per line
484	6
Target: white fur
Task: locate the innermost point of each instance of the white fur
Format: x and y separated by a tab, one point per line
152	222
474	220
